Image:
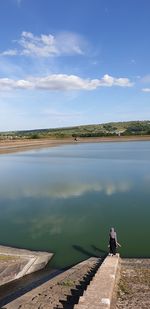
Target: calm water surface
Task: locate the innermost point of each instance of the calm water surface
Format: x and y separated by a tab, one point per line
65	199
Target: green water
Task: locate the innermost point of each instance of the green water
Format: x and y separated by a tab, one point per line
65	199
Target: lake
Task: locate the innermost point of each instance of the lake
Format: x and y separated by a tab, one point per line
65	199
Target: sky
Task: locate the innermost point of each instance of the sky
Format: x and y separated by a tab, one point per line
67	63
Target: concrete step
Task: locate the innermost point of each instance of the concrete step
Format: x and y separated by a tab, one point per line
100	290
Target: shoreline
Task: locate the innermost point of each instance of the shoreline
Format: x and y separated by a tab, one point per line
11	146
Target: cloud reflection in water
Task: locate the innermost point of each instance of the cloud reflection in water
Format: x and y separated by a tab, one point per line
63	190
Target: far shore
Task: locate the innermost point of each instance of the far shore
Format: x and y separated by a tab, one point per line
10	146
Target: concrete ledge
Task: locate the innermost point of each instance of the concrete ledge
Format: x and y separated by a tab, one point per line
16	263
99	293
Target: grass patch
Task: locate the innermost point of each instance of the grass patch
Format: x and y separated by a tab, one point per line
68	283
123	288
6	258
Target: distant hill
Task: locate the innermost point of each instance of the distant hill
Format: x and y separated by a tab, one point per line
128	128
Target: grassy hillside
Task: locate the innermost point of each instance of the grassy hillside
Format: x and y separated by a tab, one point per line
106	129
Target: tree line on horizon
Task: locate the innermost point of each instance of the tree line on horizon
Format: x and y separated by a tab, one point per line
130	128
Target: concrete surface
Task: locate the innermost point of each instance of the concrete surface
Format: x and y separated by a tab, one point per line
87	285
16	263
63	290
99	292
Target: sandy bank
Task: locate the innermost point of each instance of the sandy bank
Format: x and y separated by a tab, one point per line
10	146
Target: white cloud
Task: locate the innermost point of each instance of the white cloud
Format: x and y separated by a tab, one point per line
146	89
146	79
9	52
9	84
64	43
110	81
63	82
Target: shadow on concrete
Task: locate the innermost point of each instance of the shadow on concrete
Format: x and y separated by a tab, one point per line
19	287
73	297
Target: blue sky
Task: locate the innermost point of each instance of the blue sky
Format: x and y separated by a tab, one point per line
66	62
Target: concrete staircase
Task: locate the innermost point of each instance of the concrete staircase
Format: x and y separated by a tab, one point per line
63	291
87	285
99	292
